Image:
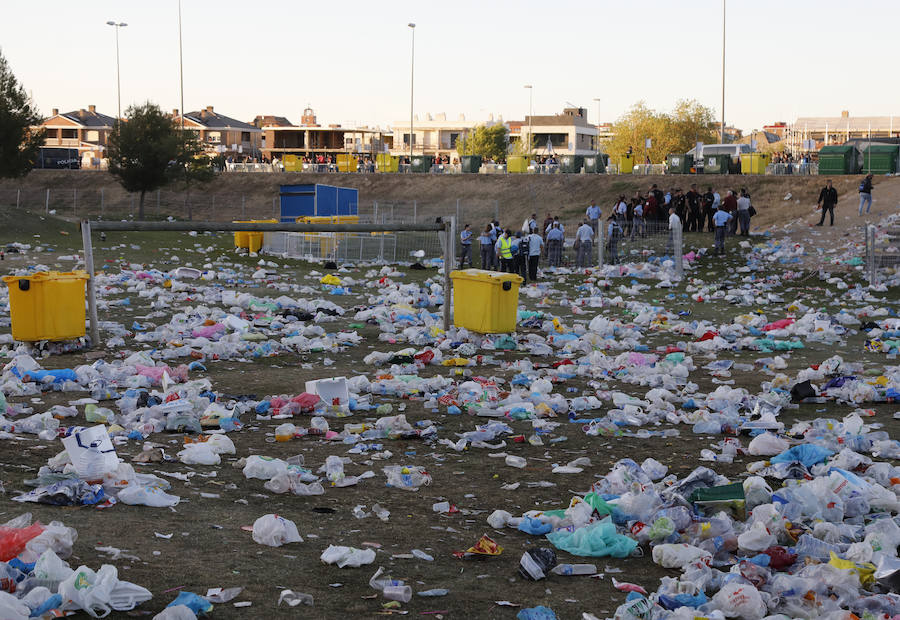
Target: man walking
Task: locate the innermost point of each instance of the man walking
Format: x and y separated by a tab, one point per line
584	239
720	219
709	209
827	201
465	240
535	243
865	193
593	214
555	237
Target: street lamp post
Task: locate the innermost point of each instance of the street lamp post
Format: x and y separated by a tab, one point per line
722	137
597	99
412	77
530	117
180	70
118	25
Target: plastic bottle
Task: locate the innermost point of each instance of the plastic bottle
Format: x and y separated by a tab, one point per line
574	569
285	432
319	424
516	461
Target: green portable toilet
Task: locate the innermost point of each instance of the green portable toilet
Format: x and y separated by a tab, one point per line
595	164
881	158
717	164
571	163
837	159
421	163
679	164
470	164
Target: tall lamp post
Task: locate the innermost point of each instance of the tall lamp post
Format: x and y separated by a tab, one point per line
530	117
597	99
118	25
180	70
722	137
412	77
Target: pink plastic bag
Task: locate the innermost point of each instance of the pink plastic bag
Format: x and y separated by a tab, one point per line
13	539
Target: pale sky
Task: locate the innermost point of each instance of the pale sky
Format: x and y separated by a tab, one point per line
350	60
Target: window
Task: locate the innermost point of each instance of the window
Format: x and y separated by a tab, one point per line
68	133
454	136
92	135
245	136
214	137
406	139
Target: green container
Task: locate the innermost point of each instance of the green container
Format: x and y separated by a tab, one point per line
595	164
837	159
421	163
716	164
571	163
470	164
679	164
881	158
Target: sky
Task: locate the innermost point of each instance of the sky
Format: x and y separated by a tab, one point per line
350	60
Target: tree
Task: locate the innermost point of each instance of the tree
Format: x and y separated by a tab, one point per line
489	142
19	144
678	132
191	165
142	148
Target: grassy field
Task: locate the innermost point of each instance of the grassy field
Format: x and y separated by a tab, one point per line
208	547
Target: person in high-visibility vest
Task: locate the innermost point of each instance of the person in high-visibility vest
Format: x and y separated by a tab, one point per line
504	251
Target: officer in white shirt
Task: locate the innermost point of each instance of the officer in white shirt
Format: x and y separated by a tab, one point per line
674	222
721	219
593	214
584	239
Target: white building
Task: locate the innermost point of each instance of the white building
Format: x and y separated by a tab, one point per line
435	135
568	133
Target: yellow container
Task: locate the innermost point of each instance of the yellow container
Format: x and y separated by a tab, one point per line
292	163
754	163
48	305
254	241
485	301
387	163
626	164
347	162
250	240
517	164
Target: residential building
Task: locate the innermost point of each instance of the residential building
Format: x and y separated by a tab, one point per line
568	133
76	139
220	134
435	135
309	139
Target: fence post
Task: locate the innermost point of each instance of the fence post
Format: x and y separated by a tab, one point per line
457	210
91	287
74	201
449	246
18	195
101	202
496	210
871	265
678	250
157	203
600	243
243	217
415	211
132	206
47	202
274	205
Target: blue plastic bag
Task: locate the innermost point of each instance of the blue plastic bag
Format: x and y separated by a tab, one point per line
194	602
596	540
537	613
807	454
530	525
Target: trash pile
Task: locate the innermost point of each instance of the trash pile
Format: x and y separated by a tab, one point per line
782	383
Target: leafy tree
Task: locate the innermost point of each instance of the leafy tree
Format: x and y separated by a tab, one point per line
678	132
19	144
142	148
523	146
191	165
489	142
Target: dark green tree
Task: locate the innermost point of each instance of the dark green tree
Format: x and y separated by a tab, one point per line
19	144
192	165
142	150
489	142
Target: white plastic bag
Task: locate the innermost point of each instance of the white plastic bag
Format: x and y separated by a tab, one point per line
679	555
263	467
12	608
767	444
90	591
347	556
275	531
737	600
137	495
756	538
199	454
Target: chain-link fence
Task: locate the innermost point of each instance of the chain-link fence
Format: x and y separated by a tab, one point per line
882	250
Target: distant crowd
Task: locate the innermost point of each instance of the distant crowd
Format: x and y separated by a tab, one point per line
520	250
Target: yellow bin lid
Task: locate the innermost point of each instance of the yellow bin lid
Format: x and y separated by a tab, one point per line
483	275
41	276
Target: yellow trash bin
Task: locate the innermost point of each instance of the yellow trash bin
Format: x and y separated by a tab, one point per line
517	164
626	164
48	305
754	163
241	238
485	301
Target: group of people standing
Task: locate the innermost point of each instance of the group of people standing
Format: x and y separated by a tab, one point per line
503	250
